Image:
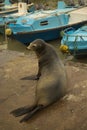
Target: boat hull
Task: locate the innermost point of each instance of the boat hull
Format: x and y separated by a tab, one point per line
47	35
79	48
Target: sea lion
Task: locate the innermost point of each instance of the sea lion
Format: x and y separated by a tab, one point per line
51	79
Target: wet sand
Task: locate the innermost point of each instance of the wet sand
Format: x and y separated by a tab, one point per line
68	114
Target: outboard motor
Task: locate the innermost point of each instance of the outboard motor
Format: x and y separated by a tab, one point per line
22	8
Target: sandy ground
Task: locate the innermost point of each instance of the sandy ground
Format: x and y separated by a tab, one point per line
68	114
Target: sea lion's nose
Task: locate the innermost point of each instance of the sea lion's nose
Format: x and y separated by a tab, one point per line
28	47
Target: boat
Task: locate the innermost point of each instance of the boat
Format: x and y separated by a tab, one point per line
7	18
7	7
22	10
75	41
10	8
44	24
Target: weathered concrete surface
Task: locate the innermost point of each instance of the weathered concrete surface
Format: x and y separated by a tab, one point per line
68	114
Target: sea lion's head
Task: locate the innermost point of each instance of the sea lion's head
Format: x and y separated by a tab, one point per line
37	45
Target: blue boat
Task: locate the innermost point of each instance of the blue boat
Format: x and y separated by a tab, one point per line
46	25
39	25
61	8
9	16
75	41
10	7
12	13
17	11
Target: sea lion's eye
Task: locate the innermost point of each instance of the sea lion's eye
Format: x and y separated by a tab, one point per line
34	45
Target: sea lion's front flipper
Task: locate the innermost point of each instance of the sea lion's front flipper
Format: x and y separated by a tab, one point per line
32	77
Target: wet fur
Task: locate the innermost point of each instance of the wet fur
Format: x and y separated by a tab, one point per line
51	79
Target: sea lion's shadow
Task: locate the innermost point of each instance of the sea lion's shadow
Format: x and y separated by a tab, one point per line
32	77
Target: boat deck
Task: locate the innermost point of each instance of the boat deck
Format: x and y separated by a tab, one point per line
78	15
82	10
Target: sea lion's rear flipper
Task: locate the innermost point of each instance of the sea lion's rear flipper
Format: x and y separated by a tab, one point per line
30	114
22	110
